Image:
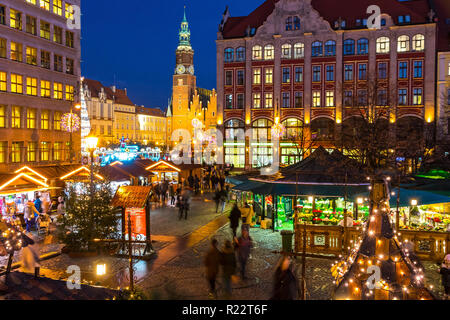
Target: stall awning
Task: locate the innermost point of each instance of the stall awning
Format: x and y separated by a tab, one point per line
248	186
82	173
20	183
407	195
163	166
131	197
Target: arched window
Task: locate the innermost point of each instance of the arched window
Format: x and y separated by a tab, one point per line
363	46
293	128
418	42
330	48
296	23
286	51
299	50
322	129
235	138
403	44
257	53
317	49
232	130
262	154
269	52
383	45
349	47
289	24
240	54
229	55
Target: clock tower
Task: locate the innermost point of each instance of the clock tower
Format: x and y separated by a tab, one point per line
180	111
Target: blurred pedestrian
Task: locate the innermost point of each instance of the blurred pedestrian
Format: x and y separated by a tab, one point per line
235	216
30	256
212	265
172	195
38	204
244	245
228	262
285	282
445	273
30	213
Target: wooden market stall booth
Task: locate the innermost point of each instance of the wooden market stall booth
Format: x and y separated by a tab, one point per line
166	170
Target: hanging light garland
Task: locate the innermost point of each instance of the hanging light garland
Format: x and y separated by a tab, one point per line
278	130
70	122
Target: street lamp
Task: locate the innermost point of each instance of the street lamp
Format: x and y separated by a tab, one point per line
414	202
91	144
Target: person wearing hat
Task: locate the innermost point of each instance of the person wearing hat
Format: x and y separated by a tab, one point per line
445	273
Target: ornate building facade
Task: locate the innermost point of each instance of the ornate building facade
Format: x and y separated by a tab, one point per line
39	77
304	63
188	102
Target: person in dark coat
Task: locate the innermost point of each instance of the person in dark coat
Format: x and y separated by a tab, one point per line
445	273
216	199
222	182
191	181
228	262
244	244
234	217
212	265
285	282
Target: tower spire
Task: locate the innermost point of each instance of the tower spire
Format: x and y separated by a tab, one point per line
184	34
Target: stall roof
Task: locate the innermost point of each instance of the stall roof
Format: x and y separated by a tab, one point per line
82	172
406	195
131	197
20	182
114	174
163	166
131	169
32	172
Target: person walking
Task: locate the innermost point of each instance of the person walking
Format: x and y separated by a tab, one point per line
38	204
222	182
244	244
445	273
212	265
234	217
228	262
285	282
223	200
216	199
164	190
172	195
247	216
29	215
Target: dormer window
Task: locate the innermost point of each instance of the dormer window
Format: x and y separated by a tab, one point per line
383	22
401	19
293	23
407	19
289	24
296	23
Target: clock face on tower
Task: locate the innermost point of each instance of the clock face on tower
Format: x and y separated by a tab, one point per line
180	69
191	70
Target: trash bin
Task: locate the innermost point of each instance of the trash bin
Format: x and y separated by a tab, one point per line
286	236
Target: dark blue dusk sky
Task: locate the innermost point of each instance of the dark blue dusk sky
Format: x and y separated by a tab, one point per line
133	43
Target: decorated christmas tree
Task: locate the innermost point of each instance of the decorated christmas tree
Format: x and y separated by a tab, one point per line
380	267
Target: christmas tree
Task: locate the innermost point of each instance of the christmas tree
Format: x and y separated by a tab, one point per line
379	267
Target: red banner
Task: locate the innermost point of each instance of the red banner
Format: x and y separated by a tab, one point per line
138	225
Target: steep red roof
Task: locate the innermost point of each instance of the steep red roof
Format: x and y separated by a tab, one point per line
442	8
156	112
331	10
122	98
95	86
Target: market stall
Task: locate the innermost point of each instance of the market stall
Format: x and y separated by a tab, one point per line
165	170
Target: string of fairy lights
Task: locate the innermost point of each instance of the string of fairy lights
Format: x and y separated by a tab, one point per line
357	272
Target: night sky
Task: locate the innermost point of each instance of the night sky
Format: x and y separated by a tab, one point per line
132	43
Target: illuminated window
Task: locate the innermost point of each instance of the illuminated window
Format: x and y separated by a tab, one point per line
69	11
45	30
45	151
329	99
2	116
57	7
268	101
69	39
257	100
2	48
269	52
299	50
3	81
3	151
257	76
57	91
45	89
16	52
15	19
383	45
31	118
31	86
57	121
45	120
31	151
69	93
417	96
268	76
316	99
57	151
16	83
257	53
228	101
403	44
16	148
31	1
16	117
57	34
45	59
31	56
31	26
45	4
286	50
418	42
